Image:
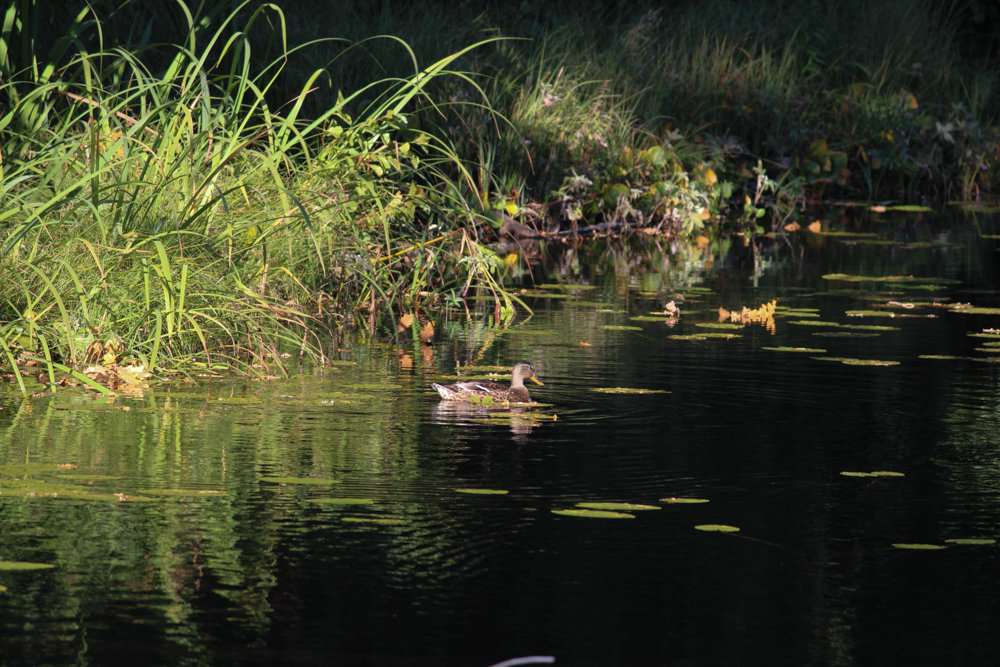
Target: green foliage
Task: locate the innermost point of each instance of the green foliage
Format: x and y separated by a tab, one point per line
186	187
177	219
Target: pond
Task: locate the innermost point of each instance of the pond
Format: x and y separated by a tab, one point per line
349	518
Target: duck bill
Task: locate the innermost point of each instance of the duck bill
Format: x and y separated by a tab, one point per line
536	380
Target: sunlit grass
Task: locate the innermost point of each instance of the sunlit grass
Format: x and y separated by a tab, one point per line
177	218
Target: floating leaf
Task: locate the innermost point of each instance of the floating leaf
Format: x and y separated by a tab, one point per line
717	528
718	325
628	390
683	501
815	323
844	334
317	481
483	492
703	336
919	546
616	507
594	514
20	566
971	540
850	361
342	501
910	208
889	279
653	318
182	492
620	327
876	473
814	350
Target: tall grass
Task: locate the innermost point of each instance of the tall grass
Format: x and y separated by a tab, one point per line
176	218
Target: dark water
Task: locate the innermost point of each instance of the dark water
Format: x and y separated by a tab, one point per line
259	573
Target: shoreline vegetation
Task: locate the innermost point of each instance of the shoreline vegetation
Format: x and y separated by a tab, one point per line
192	190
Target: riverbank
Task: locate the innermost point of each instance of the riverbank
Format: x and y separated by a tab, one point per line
221	191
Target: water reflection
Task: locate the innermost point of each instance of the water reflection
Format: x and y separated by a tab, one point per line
520	419
336	534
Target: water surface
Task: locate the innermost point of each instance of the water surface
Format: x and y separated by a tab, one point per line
318	520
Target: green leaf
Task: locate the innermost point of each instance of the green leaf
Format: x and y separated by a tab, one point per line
594	514
20	566
318	481
342	501
919	546
717	528
615	507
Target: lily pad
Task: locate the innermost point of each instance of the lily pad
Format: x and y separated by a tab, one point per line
683	501
617	507
971	540
910	208
652	318
851	361
844	334
628	390
719	325
21	566
620	327
182	492
342	501
312	481
716	528
704	336
483	492
594	514
845	277
876	473
815	323
919	546
785	348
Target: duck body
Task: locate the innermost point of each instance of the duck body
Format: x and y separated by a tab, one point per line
478	391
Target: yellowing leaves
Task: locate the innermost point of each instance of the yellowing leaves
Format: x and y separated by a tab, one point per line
764	315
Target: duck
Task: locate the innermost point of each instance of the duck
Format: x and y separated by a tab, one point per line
477	391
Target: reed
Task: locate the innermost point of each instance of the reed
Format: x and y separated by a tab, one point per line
178	220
